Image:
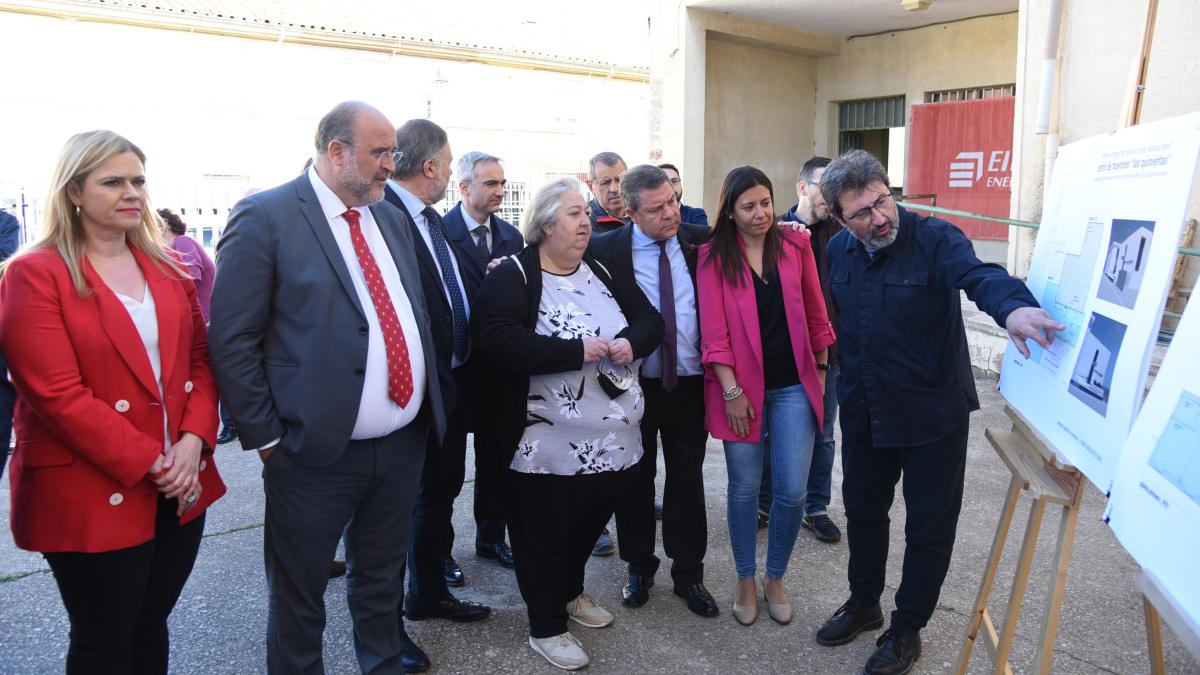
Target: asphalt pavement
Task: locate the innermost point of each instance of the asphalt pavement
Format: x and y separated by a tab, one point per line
219	623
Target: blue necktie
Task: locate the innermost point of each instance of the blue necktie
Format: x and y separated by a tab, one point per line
457	306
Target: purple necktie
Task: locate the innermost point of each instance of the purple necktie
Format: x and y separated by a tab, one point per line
666	300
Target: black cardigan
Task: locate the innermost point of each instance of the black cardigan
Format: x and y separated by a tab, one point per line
503	318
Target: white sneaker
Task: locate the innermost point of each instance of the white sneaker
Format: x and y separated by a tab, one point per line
562	650
585	612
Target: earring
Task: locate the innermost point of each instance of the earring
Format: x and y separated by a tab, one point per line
76	210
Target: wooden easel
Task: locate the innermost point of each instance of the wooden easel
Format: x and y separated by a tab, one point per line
1158	606
1034	469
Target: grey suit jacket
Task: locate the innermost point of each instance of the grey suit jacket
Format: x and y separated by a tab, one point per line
288	337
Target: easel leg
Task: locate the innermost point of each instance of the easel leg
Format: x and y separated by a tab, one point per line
989	575
1154	640
1020	582
1062	562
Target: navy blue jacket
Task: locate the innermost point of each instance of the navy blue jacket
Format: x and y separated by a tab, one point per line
692	214
506	241
10	239
10	234
601	221
905	372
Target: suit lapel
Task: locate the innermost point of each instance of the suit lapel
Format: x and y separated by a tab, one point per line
310	208
118	325
456	229
420	250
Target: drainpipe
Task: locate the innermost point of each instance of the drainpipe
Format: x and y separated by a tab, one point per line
1046	103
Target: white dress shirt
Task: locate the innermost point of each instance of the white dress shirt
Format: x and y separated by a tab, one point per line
144	314
687	323
378	414
415	207
472	226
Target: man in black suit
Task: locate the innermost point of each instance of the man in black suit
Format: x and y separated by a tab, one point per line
484	237
660	253
320	345
419	181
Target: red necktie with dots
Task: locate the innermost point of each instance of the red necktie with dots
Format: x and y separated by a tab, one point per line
400	384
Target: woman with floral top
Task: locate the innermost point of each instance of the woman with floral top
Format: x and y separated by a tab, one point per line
565	336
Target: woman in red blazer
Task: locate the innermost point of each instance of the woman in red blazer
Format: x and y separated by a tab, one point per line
116	408
764	336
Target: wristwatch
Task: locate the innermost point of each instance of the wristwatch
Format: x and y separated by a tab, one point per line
822	366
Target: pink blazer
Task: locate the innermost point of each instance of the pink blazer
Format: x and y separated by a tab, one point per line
729	332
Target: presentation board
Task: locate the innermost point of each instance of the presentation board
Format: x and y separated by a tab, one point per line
1102	266
1154	506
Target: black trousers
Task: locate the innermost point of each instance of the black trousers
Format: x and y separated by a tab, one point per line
554	522
441	481
119	601
366	496
933	488
678	416
491	472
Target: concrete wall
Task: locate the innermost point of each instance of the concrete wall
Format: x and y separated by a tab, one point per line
974	52
758	110
1099	42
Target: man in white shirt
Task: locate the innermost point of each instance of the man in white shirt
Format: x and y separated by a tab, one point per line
320	343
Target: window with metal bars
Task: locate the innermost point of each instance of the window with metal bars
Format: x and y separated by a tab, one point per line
971	93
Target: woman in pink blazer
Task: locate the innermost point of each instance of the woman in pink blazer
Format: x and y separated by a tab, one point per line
116	410
764	337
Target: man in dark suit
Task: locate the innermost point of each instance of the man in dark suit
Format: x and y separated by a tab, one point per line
660	253
10	240
320	345
419	181
484	237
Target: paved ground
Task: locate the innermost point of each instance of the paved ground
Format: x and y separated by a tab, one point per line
219	623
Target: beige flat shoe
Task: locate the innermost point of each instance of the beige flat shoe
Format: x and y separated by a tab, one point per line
780	613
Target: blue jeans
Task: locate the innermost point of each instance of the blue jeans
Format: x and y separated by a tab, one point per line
820	475
788	429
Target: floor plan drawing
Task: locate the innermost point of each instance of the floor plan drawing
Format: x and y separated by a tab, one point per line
1176	456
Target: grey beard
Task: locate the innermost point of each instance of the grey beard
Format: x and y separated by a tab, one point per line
876	243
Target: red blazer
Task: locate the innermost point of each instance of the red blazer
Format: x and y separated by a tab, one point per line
88	417
729	332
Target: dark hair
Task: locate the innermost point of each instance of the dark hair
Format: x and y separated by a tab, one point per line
667	165
810	167
854	170
173	221
639	179
419	140
725	250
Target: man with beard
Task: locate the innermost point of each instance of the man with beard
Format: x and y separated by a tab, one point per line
814	214
906	390
322	352
485	237
604	181
419	180
687	214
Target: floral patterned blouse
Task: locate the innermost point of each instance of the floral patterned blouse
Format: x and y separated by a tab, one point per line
576	425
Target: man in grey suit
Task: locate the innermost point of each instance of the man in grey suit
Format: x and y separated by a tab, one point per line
320	344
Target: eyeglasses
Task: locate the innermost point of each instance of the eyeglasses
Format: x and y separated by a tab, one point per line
395	155
865	214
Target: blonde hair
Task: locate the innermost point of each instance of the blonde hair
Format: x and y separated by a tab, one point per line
62	229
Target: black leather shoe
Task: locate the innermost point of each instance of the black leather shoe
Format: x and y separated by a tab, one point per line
847	622
699	600
412	657
228	434
896	654
604	545
451	608
763	520
453	573
637	591
337	569
501	553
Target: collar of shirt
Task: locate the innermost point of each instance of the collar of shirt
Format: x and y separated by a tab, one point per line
331	205
642	240
471	224
411	202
